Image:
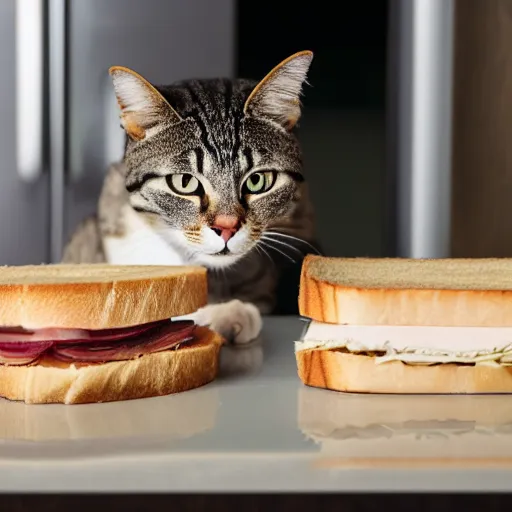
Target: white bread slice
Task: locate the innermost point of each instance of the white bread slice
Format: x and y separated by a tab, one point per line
442	292
98	296
341	371
156	374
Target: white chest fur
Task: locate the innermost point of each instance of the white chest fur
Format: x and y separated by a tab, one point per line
140	244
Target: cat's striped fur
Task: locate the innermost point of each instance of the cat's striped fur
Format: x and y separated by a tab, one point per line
217	134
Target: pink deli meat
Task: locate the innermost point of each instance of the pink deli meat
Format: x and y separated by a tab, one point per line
20	347
22	352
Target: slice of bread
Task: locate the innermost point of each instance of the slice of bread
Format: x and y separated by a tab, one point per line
442	292
156	374
98	296
354	373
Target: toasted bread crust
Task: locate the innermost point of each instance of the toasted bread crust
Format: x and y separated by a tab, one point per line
157	374
333	303
341	371
98	296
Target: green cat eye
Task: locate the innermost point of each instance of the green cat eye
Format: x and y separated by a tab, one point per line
259	182
184	184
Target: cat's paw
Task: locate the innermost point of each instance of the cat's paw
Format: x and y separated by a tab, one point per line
239	322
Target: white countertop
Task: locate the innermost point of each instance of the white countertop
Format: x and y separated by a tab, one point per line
257	428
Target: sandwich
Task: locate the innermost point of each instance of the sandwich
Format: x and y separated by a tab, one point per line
372	430
396	325
100	333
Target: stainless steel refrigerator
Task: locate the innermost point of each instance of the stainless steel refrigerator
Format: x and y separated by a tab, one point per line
60	128
59	122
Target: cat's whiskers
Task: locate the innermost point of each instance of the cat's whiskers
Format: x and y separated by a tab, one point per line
291	237
281	242
193	236
266	243
264	252
195	241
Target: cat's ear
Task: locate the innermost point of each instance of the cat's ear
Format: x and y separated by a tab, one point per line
142	106
277	96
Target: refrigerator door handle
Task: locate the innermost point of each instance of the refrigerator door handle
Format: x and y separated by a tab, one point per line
424	118
57	16
30	19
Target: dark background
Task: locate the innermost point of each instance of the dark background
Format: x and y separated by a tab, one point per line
343	127
349	68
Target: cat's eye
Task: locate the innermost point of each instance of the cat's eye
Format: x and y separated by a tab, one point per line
184	184
259	182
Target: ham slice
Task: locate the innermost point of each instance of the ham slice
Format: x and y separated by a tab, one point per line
19	346
19	334
15	334
20	352
125	332
161	338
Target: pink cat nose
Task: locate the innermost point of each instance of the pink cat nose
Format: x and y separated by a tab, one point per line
226	226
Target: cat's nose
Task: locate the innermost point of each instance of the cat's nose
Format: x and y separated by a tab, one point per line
226	226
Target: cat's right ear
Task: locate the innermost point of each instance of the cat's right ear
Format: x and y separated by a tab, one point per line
142	106
277	96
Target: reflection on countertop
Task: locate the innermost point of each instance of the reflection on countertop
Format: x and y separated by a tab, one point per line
174	417
240	360
405	426
165	420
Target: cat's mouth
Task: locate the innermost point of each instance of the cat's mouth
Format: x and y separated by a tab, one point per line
224	252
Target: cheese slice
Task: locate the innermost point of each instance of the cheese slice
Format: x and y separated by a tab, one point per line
414	345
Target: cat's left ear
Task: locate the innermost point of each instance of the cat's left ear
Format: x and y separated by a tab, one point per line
277	96
142	106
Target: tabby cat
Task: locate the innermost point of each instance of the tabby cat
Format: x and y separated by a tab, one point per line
212	175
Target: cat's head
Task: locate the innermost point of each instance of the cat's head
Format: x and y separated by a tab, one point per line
214	162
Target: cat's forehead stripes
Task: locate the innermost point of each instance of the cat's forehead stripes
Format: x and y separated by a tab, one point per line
199	160
249	160
216	106
215	139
